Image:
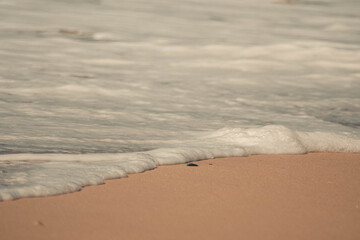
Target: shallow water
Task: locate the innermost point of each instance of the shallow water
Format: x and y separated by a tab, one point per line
99	89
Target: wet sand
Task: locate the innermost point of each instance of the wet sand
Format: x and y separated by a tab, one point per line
312	196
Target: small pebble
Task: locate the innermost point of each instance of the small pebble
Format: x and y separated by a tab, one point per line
192	165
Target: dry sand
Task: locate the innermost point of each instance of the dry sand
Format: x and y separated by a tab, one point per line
312	196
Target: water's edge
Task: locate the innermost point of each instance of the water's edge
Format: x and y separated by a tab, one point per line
34	175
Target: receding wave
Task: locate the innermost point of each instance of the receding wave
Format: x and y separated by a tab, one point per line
30	175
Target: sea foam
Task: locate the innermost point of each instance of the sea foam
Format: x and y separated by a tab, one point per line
31	175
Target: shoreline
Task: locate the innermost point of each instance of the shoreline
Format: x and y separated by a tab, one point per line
310	196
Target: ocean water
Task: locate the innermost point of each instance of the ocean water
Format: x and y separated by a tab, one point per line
97	89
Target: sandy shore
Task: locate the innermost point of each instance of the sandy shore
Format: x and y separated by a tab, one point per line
313	196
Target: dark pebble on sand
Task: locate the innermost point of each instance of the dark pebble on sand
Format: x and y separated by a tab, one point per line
192	165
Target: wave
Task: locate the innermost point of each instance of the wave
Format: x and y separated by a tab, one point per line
34	175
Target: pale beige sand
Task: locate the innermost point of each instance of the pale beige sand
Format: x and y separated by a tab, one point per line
313	196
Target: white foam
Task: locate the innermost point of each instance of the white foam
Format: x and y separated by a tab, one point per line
30	175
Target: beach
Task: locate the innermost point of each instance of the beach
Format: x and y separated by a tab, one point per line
310	196
104	103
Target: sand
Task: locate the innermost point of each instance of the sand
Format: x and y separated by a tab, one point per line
312	196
